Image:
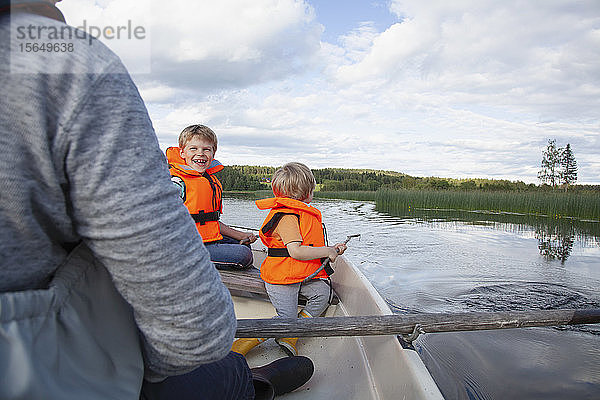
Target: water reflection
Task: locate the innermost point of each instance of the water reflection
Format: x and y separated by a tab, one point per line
555	246
556	237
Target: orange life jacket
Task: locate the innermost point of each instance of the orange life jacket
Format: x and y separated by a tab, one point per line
279	267
201	194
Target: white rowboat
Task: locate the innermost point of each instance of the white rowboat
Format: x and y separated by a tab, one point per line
348	367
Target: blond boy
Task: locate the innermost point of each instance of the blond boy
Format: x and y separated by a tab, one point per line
293	234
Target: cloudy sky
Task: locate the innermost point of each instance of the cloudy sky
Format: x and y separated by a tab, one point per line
460	89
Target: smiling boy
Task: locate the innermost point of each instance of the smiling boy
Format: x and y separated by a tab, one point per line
192	167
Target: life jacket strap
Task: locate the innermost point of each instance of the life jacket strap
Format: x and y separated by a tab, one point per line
277	252
272	223
281	252
203	217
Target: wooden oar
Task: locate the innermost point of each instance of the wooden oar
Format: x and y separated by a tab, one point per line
405	324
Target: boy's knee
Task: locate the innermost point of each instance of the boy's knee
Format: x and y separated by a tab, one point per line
246	258
317	295
317	289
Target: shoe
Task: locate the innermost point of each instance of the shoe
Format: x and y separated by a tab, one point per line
288	345
244	345
304	314
281	376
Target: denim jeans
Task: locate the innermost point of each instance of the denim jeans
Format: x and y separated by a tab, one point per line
226	379
228	252
285	297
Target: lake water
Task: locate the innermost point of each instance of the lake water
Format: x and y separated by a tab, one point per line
451	262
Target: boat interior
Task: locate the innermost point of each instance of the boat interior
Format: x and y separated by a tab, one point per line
346	367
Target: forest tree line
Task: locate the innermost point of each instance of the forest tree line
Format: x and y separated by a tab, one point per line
251	178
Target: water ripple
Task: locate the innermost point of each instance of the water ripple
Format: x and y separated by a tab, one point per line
523	296
446	264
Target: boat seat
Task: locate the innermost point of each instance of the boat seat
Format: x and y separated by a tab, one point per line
249	281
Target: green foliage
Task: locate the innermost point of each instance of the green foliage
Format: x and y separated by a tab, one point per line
550	164
558	166
245	177
335	179
394	192
468	185
568	173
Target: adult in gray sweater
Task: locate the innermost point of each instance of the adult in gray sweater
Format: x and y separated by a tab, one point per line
95	243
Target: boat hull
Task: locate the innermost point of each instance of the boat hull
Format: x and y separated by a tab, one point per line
369	367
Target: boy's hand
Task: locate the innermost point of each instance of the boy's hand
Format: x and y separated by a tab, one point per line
336	250
332	253
303	253
340	248
248	238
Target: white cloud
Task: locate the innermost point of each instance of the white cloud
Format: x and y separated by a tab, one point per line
157	93
121	25
516	54
207	45
454	89
232	43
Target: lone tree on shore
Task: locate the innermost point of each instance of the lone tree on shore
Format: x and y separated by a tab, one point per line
568	172
551	162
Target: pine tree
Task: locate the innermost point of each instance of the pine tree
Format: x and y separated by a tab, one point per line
551	162
568	172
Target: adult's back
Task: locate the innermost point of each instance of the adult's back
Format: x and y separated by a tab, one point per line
84	187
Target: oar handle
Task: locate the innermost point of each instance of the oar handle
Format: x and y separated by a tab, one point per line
327	261
243	228
397	324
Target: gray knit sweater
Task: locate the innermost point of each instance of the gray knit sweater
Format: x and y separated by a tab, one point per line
79	161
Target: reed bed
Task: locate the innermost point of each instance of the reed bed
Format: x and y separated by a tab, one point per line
584	205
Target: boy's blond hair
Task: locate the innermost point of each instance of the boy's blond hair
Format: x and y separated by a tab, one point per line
294	180
200	131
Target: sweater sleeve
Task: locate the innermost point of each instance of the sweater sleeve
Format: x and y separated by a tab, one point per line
130	214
